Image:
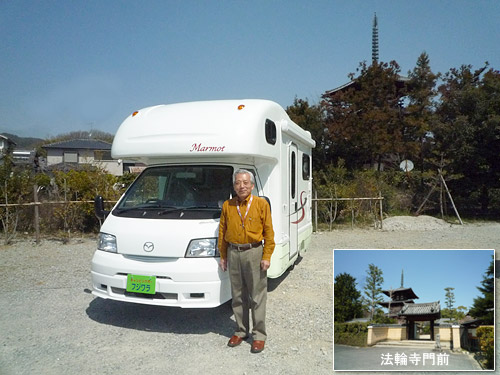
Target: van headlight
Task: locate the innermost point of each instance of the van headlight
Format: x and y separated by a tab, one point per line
204	247
106	242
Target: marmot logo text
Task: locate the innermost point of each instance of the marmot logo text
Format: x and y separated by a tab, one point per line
199	148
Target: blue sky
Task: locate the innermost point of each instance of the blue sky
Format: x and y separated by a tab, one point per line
427	272
82	65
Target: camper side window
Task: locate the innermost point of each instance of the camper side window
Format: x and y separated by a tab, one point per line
306	167
270	132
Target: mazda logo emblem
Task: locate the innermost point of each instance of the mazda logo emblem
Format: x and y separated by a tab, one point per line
148	247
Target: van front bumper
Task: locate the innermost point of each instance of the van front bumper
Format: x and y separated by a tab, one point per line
181	282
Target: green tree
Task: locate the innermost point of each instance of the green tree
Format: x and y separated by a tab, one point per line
420	113
381	318
365	120
373	287
468	134
483	305
460	312
449	311
310	118
346	299
450	297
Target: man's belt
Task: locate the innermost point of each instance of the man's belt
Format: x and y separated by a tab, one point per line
244	246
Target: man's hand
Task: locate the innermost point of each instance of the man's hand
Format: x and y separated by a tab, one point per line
264	264
223	264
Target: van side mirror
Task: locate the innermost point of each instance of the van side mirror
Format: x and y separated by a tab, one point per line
99	207
268	201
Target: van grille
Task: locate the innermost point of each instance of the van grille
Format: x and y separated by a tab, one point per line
163	296
149	259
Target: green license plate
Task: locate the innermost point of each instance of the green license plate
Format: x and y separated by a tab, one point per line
141	284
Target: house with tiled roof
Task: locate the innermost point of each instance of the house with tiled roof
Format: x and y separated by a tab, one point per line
79	152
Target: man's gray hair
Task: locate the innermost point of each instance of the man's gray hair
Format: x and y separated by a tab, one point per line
243	171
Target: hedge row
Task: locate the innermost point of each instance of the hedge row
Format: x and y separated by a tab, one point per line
354	334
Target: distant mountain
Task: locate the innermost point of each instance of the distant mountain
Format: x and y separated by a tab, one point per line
24	142
32	143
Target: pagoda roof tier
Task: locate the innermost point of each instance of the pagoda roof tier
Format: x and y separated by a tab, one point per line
400	83
395	303
408	293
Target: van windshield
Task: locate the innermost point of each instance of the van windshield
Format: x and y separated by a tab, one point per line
172	192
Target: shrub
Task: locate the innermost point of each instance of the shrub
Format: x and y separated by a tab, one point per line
354	334
82	185
71	194
381	318
15	187
486	344
337	182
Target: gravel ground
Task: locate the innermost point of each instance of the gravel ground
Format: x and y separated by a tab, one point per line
51	324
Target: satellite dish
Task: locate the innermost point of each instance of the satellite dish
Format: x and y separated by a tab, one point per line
406	165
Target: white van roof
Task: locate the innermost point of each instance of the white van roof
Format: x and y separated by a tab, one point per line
222	128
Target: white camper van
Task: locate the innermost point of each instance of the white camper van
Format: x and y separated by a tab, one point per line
158	245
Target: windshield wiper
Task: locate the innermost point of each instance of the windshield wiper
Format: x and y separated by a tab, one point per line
148	207
176	209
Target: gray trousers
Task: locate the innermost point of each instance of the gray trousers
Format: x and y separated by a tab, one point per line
249	291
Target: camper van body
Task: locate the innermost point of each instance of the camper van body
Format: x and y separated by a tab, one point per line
194	148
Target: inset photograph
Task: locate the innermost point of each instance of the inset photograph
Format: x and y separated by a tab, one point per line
414	310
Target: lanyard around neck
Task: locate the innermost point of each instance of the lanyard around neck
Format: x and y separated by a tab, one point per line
246	213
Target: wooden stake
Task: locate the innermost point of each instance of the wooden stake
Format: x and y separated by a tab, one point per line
381	211
37	215
425	200
316	210
451	199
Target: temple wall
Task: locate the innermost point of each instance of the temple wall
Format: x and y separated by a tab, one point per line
443	332
396	333
449	334
456	337
382	333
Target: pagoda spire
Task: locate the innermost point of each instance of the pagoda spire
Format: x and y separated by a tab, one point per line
402	279
375	40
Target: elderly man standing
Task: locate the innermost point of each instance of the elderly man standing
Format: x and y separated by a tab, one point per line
244	223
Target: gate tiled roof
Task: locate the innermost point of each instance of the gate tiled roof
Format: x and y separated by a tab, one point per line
420	308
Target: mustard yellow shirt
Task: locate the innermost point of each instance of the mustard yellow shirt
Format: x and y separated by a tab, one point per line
258	225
